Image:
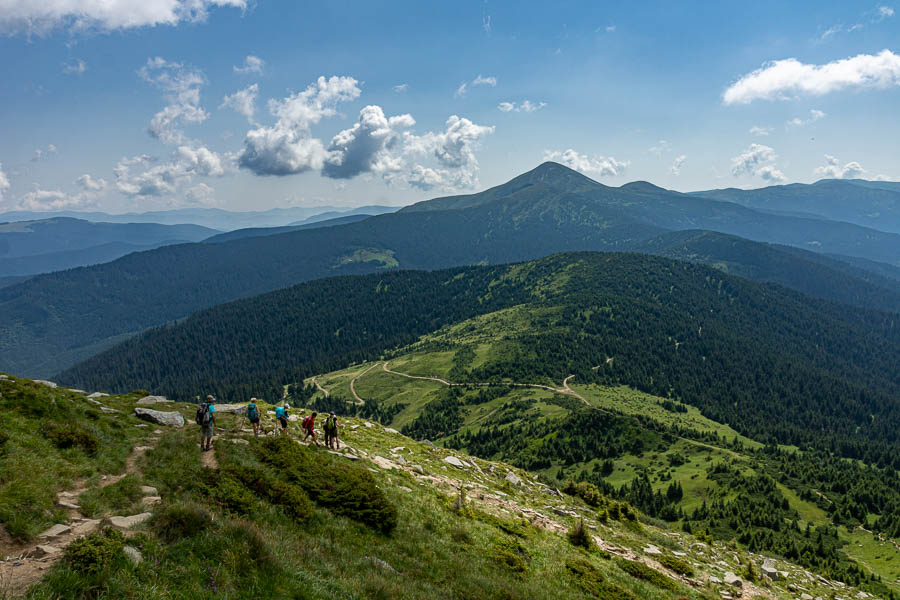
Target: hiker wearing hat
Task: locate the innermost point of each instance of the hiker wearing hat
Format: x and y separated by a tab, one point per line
253	416
331	431
206	419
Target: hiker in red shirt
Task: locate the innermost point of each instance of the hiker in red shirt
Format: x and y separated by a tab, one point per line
308	425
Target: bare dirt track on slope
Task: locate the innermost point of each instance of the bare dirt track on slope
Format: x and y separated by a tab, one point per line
565	389
359	400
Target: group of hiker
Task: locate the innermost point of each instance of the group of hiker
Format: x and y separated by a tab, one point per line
206	418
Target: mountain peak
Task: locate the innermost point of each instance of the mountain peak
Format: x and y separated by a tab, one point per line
642	187
554	174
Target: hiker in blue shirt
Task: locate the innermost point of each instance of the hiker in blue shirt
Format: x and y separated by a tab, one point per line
253	416
281	415
206	419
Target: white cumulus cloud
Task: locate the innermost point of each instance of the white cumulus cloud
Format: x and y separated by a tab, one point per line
369	146
760	131
42	16
89	184
832	169
463	88
252	64
525	106
243	101
4	182
787	78
288	147
155	178
603	166
679	161
181	89
814	115
74	67
757	160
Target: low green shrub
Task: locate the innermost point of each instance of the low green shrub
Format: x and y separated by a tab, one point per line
95	552
511	555
579	536
290	497
174	522
227	492
345	489
643	572
71	435
676	564
592	581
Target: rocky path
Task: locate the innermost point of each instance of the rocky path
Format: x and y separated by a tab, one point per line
27	563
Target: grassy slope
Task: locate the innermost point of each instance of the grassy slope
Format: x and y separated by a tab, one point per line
434	356
484	550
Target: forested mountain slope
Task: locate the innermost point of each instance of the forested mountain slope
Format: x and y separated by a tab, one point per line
773	364
51	322
834	278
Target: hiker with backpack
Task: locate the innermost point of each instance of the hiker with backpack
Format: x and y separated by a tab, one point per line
253	416
308	426
331	432
206	419
281	415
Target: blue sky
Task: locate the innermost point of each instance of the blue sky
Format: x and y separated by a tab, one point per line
252	104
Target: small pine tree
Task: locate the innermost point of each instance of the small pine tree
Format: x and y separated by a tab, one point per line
579	536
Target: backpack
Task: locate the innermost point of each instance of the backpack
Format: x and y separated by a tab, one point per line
202	416
306	422
252	411
331	425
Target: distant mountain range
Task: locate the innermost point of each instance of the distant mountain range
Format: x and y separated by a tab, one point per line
213	218
53	321
30	247
874	204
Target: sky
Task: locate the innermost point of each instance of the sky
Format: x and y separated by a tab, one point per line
121	106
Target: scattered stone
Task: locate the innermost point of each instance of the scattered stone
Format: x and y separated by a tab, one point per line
55	531
353	427
417	468
381	564
173	419
389	430
150	500
679	554
238	441
733	580
384	463
367	424
108	410
768	570
652	550
44	550
452	460
129	522
805	596
142	425
134	554
67	504
49	384
86	527
97	395
76	391
404	488
149	490
97	402
4	377
66	495
715	580
150	400
397	449
513	478
429	443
